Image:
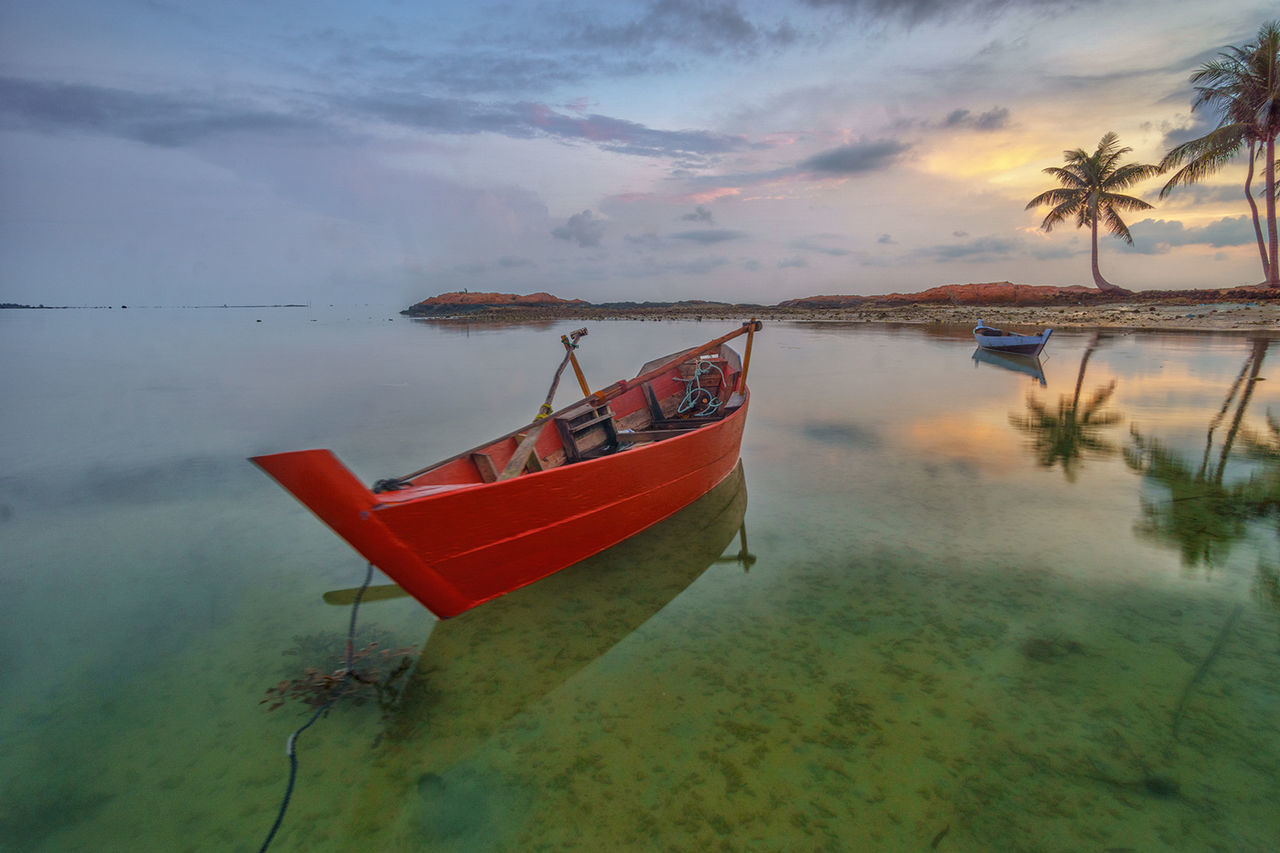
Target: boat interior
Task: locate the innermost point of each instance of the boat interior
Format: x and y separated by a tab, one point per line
693	393
988	332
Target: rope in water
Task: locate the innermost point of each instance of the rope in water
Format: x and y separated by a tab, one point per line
291	744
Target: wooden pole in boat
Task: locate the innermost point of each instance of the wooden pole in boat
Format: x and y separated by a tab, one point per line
529	441
570	346
746	356
570	341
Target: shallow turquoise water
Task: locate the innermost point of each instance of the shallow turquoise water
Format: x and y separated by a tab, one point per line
978	613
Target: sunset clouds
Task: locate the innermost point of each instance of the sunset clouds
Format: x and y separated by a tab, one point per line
186	152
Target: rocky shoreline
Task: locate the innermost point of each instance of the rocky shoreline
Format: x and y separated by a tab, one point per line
1246	309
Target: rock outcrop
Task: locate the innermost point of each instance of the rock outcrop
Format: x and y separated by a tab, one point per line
985	293
464	303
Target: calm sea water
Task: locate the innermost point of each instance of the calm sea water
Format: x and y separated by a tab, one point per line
942	605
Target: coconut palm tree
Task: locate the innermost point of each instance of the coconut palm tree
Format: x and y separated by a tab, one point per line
1089	194
1242	86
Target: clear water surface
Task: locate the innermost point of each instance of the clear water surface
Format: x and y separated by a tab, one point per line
943	606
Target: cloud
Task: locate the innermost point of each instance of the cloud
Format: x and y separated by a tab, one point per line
786	263
154	119
1197	194
697	266
708	236
712	27
700	214
585	228
172	121
981	249
814	247
913	12
1157	236
650	240
886	240
529	48
1202	121
856	158
524	120
996	118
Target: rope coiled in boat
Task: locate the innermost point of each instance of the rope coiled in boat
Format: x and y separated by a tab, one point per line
694	391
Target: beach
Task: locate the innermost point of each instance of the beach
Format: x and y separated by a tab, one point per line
1221	316
1227	316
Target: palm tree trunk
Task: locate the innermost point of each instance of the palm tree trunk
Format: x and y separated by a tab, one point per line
1098	281
1253	206
1273	270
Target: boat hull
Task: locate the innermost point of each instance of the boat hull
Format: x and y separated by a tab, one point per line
1022	345
995	340
454	547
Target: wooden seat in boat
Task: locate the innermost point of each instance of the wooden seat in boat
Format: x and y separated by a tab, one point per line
587	431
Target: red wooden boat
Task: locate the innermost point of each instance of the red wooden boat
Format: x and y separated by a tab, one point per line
536	500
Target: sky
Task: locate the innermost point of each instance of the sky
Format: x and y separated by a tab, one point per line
182	152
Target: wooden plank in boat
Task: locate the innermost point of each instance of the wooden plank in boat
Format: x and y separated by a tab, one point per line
485	465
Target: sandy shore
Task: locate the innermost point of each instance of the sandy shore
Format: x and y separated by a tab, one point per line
1259	317
1224	316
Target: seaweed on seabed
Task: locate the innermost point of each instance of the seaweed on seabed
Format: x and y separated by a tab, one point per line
1050	648
376	672
1149	783
1153	784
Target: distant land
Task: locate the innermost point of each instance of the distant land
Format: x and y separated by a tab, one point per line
4	305
1252	309
997	294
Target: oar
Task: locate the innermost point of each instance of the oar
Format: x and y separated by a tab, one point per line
746	358
570	342
744	557
382	592
570	346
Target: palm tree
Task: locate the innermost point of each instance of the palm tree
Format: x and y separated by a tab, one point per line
1243	86
1089	193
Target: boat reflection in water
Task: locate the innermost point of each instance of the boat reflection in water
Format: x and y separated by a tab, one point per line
1025	364
484	666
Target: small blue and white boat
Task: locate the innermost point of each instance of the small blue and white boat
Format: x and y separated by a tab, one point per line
996	340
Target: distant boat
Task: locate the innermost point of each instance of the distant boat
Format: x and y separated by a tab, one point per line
534	501
997	340
1028	364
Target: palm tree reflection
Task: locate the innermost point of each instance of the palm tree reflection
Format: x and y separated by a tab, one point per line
1264	496
1201	515
1064	436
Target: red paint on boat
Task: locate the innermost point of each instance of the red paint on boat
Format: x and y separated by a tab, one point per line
454	541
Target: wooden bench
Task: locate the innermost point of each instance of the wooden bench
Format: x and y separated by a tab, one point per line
587	431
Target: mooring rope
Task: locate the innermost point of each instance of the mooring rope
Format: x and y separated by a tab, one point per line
291	744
